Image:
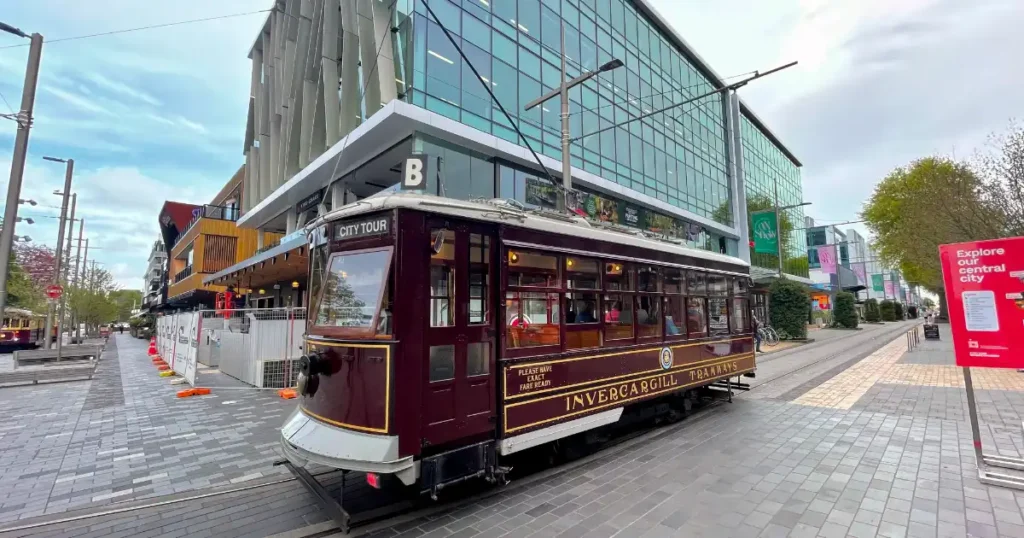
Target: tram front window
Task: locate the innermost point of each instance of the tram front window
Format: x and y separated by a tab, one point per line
352	290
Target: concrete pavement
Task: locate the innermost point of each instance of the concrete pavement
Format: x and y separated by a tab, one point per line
857	439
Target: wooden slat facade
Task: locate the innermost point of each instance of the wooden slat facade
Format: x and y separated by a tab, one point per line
217	244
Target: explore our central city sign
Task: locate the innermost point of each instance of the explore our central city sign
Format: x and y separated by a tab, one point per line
985	294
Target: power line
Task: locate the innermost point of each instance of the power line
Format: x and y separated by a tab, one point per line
140	28
9	107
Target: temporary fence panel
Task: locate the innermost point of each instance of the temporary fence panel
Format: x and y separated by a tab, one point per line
194	324
181	326
259	347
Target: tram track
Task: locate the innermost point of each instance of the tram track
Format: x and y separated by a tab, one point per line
605	450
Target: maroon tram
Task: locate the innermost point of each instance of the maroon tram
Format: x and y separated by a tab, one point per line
444	335
22	329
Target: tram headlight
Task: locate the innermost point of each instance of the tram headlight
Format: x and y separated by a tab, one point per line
301	383
310	366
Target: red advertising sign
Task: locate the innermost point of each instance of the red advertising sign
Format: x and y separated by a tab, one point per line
984	285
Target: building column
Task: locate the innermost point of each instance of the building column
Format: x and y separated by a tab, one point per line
734	170
259	238
337	195
290	220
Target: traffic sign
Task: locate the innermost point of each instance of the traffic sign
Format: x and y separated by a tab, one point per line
54	291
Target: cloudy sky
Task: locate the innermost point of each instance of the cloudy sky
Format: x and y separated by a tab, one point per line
160	114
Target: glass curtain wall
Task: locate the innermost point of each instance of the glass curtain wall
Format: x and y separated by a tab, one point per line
764	167
677	157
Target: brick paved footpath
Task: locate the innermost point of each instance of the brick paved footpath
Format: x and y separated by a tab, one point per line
124	435
897	461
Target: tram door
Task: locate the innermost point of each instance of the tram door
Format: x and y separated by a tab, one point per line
460	393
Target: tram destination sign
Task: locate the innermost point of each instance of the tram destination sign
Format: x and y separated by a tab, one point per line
345	231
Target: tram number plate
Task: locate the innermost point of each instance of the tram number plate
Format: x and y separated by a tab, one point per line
365	228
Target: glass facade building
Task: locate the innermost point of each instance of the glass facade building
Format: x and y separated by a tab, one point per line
679	158
679	173
768	172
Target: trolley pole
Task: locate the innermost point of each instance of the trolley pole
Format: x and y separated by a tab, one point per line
24	118
561	200
69	170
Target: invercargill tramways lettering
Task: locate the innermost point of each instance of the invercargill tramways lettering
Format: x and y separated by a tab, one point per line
627	390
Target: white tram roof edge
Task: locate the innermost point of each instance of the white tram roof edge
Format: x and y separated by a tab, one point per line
504	212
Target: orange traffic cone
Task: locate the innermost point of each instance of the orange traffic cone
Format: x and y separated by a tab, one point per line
152	349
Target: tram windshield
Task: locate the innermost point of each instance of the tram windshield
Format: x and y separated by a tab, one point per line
352	290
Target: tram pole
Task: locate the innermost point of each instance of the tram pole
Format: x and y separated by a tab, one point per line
64	277
75	280
24	119
69	170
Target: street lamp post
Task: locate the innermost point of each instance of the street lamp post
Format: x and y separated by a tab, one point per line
59	251
563	92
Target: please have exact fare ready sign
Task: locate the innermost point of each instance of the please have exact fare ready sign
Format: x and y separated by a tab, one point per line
984	283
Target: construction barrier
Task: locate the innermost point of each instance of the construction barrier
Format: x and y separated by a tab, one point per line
259	346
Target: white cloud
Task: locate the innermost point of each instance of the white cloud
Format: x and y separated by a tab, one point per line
122	89
77	100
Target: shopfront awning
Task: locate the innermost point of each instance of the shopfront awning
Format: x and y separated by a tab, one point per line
286	261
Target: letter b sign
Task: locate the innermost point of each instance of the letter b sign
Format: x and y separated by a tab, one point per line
414	173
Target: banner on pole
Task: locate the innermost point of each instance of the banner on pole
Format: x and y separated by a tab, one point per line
890	292
877	283
861	271
827	259
766	232
984	283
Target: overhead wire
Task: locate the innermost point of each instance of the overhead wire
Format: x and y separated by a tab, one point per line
140	28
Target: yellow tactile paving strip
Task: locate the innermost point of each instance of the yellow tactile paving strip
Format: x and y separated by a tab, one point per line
930	375
843	390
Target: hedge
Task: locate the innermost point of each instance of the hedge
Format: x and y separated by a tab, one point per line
790	307
871	311
897	308
845	313
888	310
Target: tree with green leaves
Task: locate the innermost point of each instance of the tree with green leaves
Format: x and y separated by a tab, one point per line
932	201
125	300
845	313
887	310
789	306
872	313
927	302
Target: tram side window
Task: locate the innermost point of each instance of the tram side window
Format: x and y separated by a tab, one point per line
740	316
534	317
618	306
696	305
479	279
648	312
582	315
718	305
718	316
675	316
442	280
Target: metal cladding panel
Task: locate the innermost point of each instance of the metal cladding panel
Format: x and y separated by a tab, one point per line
355	391
542	393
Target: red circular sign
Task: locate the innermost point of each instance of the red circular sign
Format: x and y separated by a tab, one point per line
54	291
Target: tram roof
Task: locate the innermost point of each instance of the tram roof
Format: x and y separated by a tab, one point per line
503	211
12	311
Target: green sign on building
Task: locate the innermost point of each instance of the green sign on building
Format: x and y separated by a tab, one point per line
766	232
877	283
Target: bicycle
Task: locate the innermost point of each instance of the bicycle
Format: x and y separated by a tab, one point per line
768	335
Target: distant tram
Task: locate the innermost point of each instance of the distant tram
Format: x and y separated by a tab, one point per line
444	335
22	329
